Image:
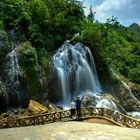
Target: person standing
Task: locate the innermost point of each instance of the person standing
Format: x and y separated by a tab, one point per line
78	106
73	107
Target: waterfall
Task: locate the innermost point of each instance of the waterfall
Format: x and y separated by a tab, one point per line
76	72
12	81
5	94
13	74
126	86
106	103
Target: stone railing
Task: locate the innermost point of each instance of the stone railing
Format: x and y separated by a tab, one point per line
109	114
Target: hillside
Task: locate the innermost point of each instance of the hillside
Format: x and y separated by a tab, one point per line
134	29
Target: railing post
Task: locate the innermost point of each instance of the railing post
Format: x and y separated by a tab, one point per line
19	123
34	122
102	111
60	116
54	118
125	121
91	109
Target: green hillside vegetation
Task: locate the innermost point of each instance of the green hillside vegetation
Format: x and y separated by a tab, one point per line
134	29
41	26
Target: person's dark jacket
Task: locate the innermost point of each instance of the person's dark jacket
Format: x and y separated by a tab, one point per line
78	104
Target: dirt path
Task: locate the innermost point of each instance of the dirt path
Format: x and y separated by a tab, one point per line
100	121
71	131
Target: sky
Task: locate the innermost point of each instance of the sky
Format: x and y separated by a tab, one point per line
127	11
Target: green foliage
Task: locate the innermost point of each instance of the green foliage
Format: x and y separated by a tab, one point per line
14	12
40	20
28	62
134	74
28	58
112	47
113	21
43	58
45	23
39	12
91	34
36	37
65	19
4	47
1	25
134	30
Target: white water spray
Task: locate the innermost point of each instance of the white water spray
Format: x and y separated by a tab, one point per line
126	86
76	71
13	73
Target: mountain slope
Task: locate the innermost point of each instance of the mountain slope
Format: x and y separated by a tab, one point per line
134	29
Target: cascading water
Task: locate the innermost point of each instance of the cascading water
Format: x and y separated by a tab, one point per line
76	71
14	93
126	86
4	94
134	114
106	103
13	73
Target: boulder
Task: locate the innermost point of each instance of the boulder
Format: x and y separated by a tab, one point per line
37	108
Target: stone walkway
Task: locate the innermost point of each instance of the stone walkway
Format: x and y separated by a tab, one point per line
70	131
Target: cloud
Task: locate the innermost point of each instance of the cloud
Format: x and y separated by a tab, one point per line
127	11
108	6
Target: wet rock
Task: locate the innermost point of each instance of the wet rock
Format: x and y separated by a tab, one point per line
5	115
3	97
129	102
88	99
16	112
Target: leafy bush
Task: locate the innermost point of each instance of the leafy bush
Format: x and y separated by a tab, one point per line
39	12
28	58
43	58
14	12
29	64
134	74
4	47
1	25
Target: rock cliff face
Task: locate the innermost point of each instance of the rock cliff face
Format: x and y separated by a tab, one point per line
3	102
126	92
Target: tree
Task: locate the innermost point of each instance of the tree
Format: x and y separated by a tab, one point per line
113	21
14	13
134	74
39	12
91	14
66	18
